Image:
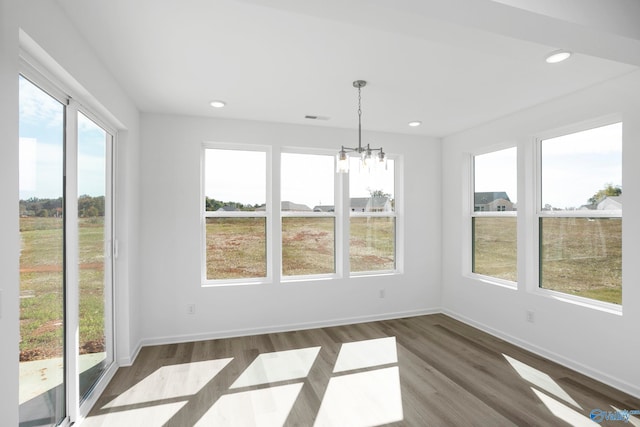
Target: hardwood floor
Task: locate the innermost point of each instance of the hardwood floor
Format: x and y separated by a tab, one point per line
420	371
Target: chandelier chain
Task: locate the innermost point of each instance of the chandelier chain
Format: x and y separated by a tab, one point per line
359	120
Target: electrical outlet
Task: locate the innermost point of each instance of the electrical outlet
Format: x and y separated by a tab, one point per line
191	309
531	316
382	293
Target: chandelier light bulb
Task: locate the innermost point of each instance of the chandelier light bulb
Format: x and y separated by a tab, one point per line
342	162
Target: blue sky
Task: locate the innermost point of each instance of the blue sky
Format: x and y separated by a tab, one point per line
41	123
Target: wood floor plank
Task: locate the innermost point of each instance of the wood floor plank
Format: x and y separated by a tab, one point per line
442	373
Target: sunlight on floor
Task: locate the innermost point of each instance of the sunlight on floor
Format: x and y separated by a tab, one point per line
562	411
369	396
153	415
278	366
365	354
364	399
170	382
540	379
264	407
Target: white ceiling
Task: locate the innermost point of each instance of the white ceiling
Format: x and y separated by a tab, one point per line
453	64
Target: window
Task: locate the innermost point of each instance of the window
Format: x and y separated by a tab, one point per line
236	214
580	213
308	214
311	225
494	221
372	235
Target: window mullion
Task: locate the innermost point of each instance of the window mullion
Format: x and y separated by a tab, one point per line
274	194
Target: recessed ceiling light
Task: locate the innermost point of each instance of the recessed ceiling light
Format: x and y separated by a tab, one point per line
217	104
415	123
558	56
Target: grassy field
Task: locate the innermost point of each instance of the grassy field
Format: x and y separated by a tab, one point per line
579	256
372	243
236	246
41	287
495	250
308	246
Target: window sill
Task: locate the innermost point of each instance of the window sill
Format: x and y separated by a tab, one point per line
309	278
605	307
494	281
374	273
234	282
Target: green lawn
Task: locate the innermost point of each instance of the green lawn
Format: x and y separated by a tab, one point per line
579	256
41	287
495	247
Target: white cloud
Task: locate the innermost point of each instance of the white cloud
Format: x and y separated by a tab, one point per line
601	140
37	107
28	156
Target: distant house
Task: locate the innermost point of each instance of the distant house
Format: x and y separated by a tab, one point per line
287	206
227	208
610	203
589	207
324	208
294	207
362	204
492	201
371	204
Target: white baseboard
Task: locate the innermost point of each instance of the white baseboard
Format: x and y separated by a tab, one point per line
128	361
622	385
276	328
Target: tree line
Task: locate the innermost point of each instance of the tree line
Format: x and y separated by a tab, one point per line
214	205
88	207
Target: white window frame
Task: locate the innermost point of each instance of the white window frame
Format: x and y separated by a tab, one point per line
535	244
274	217
397	214
337	238
469	256
267	214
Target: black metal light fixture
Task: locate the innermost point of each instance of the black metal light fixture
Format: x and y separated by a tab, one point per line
367	158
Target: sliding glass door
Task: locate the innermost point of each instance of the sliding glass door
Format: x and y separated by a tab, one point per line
42	258
66	268
95	350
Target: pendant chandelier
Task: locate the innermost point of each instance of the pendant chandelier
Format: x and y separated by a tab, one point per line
367	157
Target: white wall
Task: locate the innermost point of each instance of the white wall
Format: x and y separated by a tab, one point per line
170	238
603	345
9	237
